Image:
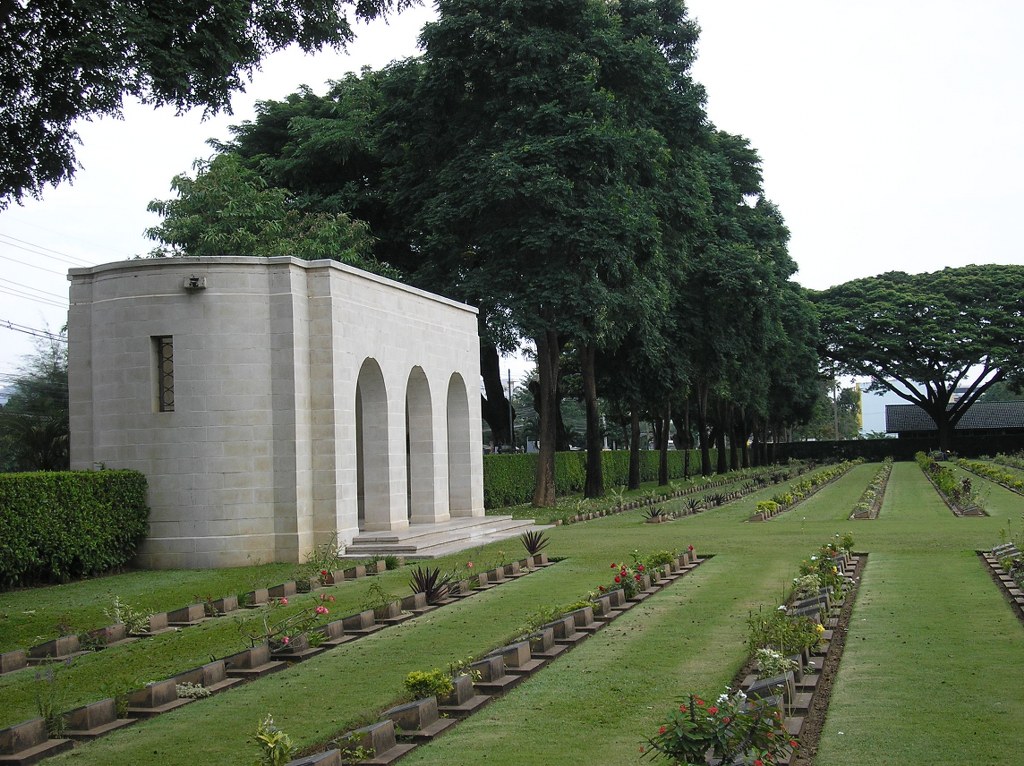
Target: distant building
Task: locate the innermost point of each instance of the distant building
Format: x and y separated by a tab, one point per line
981	419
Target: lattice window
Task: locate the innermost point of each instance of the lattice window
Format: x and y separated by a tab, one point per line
164	347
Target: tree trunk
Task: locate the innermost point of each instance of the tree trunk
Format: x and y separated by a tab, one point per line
666	422
547	372
494	404
634	447
702	432
723	466
594	486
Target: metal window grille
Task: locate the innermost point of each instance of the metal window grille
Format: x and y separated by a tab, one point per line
165	373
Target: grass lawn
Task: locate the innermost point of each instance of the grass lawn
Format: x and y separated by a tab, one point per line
928	676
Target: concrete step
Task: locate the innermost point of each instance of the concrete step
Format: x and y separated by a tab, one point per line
425	541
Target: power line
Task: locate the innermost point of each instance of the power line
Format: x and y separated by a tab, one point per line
34	266
33	298
33	289
44	334
74	260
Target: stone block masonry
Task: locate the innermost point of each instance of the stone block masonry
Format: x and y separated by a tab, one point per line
273	403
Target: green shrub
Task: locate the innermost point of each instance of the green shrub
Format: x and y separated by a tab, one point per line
508	479
58	525
432	683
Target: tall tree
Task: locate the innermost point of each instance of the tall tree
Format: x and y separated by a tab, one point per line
923	336
34	421
64	61
228	209
535	176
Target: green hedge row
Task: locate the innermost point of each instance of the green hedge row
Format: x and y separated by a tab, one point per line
508	479
59	525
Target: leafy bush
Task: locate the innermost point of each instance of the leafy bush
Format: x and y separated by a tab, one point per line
58	525
431	683
508	479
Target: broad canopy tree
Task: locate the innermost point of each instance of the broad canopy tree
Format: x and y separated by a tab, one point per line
64	61
923	336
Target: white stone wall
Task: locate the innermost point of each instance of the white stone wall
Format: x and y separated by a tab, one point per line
258	460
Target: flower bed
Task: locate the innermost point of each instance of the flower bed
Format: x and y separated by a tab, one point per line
870	503
1007	479
801	490
957	494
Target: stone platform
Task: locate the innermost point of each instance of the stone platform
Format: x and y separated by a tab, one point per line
427	541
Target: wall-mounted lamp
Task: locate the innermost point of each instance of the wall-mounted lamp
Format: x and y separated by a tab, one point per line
195	282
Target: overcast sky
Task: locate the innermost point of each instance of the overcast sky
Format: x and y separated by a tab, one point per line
890	133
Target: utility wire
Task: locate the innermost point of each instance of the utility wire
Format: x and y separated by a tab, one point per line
33	266
44	334
33	298
33	289
57	254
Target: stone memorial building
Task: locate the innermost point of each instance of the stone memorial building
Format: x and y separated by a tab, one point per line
273	403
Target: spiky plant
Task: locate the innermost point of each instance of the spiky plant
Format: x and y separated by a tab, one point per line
534	541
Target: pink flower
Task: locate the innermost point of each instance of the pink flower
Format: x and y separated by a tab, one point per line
661	730
283	601
321	610
285	640
712	710
331	599
469	564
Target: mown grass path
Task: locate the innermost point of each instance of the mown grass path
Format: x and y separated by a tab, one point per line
947	695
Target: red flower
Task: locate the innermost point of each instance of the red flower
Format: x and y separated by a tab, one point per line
600	588
283	602
758	762
691	547
699	701
637	577
323	572
618	579
661	730
614	565
642	749
640	568
794	744
726	719
712	710
682	708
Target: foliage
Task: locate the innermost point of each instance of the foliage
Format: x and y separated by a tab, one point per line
51	699
192	691
56	526
834	408
279	626
276	748
134	620
430	582
957	492
806	585
34	431
771	663
432	683
782	632
534	541
923	336
509	479
1009	479
627	577
732	730
377	598
69	61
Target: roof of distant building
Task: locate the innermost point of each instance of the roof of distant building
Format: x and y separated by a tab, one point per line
982	416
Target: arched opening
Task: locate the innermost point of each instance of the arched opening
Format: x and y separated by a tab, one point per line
460	473
373	475
419	445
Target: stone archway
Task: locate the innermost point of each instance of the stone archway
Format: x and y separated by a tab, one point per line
420	449
373	465
460	446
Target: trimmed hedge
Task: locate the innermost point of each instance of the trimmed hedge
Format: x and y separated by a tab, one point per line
58	525
508	479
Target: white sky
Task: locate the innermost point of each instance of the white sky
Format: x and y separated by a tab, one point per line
890	132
